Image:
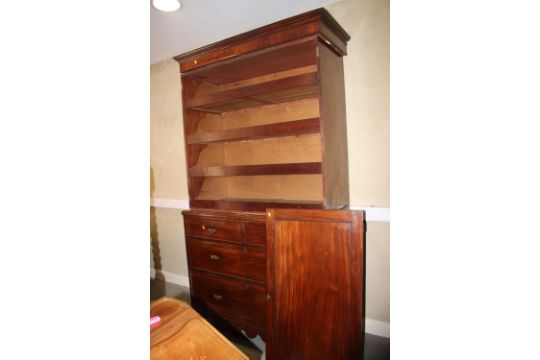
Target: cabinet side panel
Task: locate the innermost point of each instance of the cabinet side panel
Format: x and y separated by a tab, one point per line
313	288
333	129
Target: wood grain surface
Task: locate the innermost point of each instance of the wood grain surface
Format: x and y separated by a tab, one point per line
184	334
289	128
227	259
315	277
252	170
229	298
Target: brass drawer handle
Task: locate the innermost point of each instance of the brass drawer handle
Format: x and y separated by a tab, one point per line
218	297
214	257
211	229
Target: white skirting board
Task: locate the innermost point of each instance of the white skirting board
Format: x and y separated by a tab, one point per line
379	328
172	278
375	327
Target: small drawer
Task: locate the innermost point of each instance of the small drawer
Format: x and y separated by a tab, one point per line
236	260
230	299
255	233
207	228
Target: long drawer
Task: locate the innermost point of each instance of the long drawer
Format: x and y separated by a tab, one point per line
243	261
230	299
213	229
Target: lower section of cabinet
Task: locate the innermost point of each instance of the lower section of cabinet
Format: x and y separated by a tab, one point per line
227	265
294	277
241	303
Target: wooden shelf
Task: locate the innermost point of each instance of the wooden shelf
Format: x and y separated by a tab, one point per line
252	170
299	127
281	90
254	204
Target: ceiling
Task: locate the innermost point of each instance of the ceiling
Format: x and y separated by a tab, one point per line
202	22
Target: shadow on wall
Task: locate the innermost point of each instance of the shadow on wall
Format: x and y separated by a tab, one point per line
158	285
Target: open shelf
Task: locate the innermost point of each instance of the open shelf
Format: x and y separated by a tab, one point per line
254	204
285	89
253	170
298	127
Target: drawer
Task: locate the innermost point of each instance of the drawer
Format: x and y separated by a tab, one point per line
255	233
237	260
220	230
230	299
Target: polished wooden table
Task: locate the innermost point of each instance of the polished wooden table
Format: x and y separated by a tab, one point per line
184	334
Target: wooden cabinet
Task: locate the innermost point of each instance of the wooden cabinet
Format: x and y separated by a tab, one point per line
265	128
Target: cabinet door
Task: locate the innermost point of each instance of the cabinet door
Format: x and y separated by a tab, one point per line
315	271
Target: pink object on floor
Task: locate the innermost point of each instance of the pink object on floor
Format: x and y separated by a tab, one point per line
155	322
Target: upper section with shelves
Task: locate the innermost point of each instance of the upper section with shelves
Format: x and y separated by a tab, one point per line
264	118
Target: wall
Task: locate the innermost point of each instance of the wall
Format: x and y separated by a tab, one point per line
367	91
167	171
367	97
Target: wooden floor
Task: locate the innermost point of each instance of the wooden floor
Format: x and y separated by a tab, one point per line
375	348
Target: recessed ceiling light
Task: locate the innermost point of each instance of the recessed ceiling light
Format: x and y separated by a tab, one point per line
167	5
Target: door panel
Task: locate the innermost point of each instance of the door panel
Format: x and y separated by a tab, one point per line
315	284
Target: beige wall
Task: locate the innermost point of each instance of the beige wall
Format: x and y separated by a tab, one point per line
367	91
367	97
167	168
166	132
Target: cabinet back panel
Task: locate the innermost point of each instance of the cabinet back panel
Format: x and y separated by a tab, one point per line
290	149
214	188
283	187
208	88
212	155
210	122
262	115
296	93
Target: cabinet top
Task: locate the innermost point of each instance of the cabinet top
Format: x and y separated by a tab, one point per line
316	23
